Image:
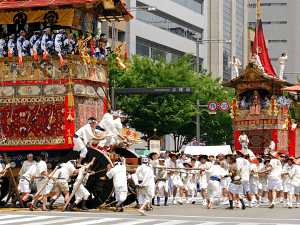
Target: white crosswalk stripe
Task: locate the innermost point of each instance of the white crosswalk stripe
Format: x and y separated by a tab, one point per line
171	222
56	221
97	221
25	219
9	216
135	222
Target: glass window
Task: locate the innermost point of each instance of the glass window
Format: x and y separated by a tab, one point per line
142	49
194	5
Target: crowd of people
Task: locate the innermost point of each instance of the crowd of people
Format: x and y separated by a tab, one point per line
239	179
247	101
47	42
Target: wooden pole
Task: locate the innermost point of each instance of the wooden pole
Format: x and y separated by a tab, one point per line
76	188
14	183
44	185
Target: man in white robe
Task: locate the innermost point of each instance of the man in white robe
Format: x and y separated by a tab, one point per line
236	63
281	62
118	174
256	61
145	180
82	193
27	164
271	147
202	179
83	136
243	139
214	183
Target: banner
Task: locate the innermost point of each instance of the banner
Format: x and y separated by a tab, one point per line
154	146
62	17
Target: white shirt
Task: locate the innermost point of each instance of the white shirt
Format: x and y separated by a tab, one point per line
235	62
118	173
25	167
118	125
65	172
30	173
215	171
40	168
243	139
81	174
175	175
107	123
286	178
244	166
282	60
162	174
86	134
256	61
275	173
144	174
254	179
295	175
272	146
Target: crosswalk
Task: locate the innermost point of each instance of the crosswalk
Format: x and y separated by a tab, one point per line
27	219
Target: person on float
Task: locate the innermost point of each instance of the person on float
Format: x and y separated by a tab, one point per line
23	44
12	45
83	136
236	63
281	62
244	141
271	147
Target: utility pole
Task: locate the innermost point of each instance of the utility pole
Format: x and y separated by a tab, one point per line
197	54
199	107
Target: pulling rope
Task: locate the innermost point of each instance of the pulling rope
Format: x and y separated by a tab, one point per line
100	96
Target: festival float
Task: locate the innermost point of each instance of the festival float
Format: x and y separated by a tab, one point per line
44	100
261	123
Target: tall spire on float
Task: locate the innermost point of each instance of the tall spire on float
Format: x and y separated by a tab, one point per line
259	45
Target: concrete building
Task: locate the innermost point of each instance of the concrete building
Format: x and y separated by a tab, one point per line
227	20
168	28
280	22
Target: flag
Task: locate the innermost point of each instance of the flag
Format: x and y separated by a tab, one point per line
20	58
34	52
62	62
9	53
259	46
125	52
45	54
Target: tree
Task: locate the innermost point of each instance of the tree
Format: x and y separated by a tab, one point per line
173	114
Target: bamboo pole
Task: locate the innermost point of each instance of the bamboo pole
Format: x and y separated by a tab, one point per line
14	182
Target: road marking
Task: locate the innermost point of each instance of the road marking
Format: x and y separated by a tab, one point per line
171	222
9	216
26	219
96	221
135	222
62	221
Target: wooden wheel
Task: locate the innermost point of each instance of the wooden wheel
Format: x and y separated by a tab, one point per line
99	186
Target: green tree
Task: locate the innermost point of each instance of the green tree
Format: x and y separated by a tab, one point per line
173	114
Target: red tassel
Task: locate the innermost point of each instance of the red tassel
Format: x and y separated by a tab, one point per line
9	53
62	62
125	52
34	52
92	47
45	54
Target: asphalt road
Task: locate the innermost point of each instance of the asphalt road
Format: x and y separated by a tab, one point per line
173	214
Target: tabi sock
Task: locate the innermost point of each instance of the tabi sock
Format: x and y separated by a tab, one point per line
120	204
158	200
242	201
166	200
231	203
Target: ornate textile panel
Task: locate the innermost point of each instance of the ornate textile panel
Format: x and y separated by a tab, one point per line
85	108
258	139
282	139
48	111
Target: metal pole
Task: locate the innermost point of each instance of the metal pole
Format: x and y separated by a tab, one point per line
198	123
197	54
113	98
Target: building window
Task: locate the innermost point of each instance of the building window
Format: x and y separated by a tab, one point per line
253	24
194	5
142	49
277	41
267	4
167	25
226	35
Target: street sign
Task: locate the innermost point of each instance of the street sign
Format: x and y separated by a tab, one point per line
196	143
211	112
212	106
224	106
159	90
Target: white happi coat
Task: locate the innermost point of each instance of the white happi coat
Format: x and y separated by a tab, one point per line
281	62
145	178
107	123
119	126
295	175
40	180
81	191
286	177
118	173
26	178
243	139
26	166
85	134
214	187
202	178
271	148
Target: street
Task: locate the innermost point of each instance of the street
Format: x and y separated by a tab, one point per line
173	214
